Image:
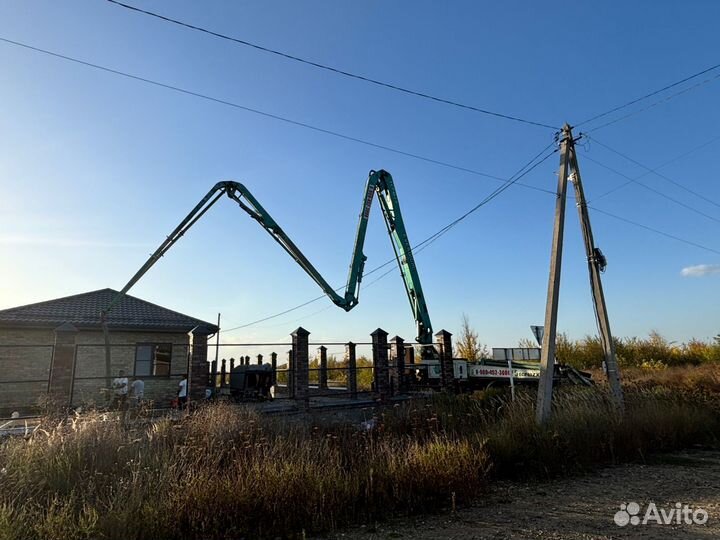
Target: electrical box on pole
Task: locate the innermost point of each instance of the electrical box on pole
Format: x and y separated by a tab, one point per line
569	170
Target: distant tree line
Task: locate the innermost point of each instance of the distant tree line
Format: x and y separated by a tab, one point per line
652	352
338	371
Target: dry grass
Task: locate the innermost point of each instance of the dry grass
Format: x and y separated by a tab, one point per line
224	472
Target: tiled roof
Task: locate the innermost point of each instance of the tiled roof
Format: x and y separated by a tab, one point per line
83	310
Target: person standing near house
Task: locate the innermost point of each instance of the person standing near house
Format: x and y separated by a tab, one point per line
137	392
120	389
182	393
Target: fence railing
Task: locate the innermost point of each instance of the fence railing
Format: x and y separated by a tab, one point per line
309	371
74	372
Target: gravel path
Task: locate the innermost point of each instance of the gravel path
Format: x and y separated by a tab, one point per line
577	508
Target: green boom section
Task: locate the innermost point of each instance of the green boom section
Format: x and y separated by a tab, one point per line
380	183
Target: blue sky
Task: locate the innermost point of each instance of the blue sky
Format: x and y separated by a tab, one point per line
97	169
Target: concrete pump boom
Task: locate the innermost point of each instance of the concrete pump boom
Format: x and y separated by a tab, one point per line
379	182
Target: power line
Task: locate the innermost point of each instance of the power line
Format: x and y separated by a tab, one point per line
335	70
436	235
649	95
654	171
267	114
664	177
652	189
524	170
298	319
655	104
668	235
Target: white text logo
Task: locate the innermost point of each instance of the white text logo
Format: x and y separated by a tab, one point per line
630	514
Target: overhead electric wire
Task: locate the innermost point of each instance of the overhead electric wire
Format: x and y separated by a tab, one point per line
654	104
646	227
425	243
653	190
332	69
524	170
654	171
298	319
494	194
267	114
651	94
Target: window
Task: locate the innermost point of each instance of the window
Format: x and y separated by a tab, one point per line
153	359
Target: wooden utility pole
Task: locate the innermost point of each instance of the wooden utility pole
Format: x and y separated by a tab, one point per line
547	359
596	264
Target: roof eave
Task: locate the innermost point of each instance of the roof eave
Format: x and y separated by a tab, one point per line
51	325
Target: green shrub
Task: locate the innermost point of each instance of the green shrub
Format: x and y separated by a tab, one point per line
653	351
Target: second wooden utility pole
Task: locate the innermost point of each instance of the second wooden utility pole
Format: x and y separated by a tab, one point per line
547	359
596	265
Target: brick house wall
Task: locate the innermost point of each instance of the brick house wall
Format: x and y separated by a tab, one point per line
32	361
90	362
54	350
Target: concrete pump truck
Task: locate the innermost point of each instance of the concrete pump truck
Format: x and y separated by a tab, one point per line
381	183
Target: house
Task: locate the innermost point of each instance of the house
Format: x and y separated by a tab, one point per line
57	348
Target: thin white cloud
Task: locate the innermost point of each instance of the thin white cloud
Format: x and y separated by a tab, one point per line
700	270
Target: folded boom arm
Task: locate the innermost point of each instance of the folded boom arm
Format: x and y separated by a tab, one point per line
379	182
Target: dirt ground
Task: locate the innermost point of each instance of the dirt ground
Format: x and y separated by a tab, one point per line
581	507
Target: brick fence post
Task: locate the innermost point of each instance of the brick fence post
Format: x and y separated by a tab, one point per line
290	378
197	379
409	356
323	375
447	373
300	364
397	350
62	368
273	363
352	369
259	359
380	362
223	373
